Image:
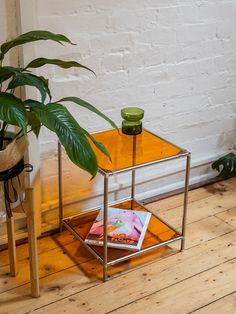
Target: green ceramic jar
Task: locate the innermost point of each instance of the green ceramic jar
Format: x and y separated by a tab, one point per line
131	125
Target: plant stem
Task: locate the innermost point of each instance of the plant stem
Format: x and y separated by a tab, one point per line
26	132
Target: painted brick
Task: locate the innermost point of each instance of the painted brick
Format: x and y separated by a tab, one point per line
112	63
226	29
195	33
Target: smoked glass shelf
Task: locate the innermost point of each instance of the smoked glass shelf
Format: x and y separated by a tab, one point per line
128	153
157	232
131	152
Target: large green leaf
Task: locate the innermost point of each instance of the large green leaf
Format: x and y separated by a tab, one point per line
39	62
58	119
90	107
30	37
21	79
99	145
12	111
226	165
6	72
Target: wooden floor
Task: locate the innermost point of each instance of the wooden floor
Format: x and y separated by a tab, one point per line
202	279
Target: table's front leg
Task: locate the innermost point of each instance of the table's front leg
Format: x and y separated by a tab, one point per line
105	211
187	174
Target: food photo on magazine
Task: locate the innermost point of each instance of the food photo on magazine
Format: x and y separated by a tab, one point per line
125	228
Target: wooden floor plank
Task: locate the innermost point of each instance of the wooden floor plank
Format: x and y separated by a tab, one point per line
149	279
204	230
197	194
200	209
229	216
226	305
44	245
188	295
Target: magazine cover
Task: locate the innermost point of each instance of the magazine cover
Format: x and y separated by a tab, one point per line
125	228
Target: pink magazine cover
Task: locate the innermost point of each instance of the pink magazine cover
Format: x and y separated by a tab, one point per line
126	228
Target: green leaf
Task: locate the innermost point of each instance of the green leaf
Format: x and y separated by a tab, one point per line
21	79
7	72
99	145
39	62
46	85
90	107
31	37
59	120
226	165
34	122
12	111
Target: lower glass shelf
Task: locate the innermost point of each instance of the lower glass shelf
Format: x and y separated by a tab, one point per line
159	233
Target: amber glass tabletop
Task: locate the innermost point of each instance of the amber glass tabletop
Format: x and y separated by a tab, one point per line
129	151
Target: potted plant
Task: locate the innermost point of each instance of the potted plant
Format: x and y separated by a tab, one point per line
31	114
226	166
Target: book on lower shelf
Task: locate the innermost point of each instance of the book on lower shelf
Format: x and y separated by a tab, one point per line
125	228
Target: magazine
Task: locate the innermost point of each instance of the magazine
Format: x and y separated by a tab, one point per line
125	228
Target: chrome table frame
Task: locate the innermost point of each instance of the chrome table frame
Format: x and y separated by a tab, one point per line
180	236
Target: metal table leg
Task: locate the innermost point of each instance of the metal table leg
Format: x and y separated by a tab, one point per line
105	210
60	186
185	200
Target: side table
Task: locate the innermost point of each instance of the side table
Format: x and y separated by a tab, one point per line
128	153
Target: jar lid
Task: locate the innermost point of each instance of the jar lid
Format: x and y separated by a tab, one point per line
132	113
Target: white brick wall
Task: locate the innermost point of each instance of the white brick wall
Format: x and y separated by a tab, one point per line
8	26
174	58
